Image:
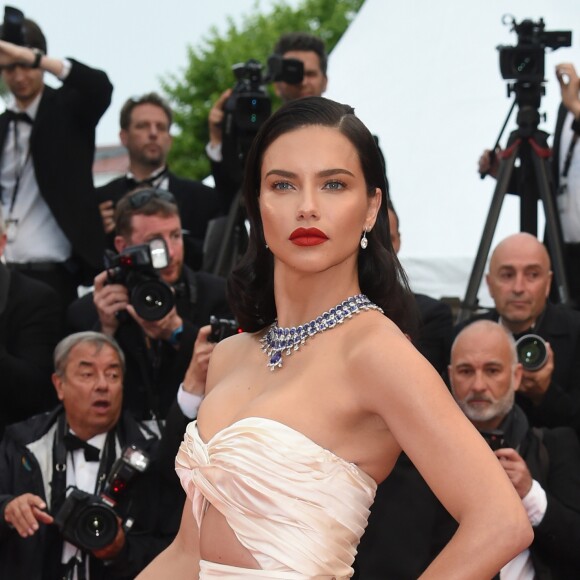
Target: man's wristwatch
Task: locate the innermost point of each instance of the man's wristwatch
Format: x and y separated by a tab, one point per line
38	54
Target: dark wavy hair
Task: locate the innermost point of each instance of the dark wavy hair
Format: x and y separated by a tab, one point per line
381	277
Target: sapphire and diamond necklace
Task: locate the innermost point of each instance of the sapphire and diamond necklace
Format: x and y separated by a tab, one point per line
283	341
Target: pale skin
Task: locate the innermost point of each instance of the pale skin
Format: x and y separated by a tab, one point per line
342	390
23	82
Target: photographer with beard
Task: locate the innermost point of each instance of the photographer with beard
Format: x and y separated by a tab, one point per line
542	464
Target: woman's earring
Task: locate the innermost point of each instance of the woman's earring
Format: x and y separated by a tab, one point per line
363	241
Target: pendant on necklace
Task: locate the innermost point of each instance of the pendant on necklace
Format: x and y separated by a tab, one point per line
284	341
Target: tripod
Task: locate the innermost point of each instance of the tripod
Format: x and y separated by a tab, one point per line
529	145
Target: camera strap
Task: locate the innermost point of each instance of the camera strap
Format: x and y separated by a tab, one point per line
59	462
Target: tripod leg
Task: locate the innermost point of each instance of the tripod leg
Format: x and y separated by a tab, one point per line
553	233
503	179
226	259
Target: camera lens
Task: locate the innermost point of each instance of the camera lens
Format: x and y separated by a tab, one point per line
152	299
532	352
97	527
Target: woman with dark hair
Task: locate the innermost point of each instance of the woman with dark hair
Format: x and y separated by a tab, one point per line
308	410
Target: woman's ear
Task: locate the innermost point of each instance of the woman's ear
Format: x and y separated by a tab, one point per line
374	207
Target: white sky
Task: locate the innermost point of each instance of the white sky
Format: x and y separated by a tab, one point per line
135	41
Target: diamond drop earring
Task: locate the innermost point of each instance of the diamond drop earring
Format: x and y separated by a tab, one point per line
363	241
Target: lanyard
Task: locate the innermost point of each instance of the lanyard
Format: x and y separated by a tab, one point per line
569	155
18	168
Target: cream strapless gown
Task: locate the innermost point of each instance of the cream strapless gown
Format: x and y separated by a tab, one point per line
296	507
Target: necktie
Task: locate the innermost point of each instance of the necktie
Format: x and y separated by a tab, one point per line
72	443
152	181
20	116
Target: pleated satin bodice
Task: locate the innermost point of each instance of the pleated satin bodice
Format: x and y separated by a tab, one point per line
293	504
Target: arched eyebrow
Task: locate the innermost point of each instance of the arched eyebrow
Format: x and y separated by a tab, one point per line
323	173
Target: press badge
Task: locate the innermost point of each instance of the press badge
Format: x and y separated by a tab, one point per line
11	230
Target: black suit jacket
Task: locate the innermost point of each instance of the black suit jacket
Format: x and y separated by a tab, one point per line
435	331
408	526
29	331
560	326
155	371
197	203
62	145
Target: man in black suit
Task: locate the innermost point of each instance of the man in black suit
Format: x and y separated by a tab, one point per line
47	144
158	352
77	444
145	133
566	172
519	279
29	329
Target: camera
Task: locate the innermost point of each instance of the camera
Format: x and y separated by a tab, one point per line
13	26
89	521
222	328
495	439
532	352
137	268
525	61
249	105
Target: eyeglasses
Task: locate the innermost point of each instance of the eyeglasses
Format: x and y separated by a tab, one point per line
140	198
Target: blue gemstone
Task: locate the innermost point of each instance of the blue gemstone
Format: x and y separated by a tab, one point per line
275	358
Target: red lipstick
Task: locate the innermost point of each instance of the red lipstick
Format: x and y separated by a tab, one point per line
308	237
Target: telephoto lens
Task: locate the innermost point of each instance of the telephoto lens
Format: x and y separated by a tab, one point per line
532	352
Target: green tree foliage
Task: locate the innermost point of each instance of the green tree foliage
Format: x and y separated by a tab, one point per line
209	72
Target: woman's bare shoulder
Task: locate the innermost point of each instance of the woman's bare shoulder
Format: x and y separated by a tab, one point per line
229	353
387	358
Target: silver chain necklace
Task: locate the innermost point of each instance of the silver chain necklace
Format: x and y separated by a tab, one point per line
278	341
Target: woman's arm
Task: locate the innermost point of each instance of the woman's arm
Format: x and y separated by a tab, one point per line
180	560
450	454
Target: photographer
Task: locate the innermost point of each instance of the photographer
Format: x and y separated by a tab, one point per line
158	351
519	280
77	445
47	146
302	46
543	465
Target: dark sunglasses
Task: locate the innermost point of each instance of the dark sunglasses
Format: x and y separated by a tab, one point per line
140	198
